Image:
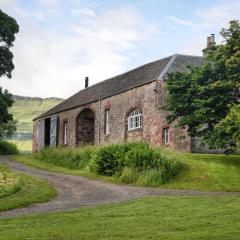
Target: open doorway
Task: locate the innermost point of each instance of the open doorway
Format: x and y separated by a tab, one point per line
47	127
85	128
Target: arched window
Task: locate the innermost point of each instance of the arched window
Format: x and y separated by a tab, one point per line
135	119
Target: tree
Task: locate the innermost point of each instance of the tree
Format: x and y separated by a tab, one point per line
8	29
7	124
226	134
201	97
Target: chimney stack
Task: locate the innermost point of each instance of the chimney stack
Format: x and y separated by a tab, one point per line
86	82
210	44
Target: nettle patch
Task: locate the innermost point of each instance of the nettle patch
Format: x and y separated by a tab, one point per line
134	163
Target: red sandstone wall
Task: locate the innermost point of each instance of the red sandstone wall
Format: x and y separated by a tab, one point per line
149	98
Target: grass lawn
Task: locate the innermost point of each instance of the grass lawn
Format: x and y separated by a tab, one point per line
31	191
148	218
209	172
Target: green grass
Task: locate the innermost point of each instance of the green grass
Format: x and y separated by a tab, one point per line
24	146
31	190
168	218
31	162
10	182
209	172
25	109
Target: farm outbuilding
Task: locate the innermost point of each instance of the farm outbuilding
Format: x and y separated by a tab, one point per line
123	108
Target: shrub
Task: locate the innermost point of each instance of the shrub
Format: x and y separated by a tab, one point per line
7	148
135	163
109	160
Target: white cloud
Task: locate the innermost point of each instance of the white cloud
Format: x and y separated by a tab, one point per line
51	63
83	12
220	14
183	22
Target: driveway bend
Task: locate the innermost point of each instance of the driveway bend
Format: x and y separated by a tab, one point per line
77	191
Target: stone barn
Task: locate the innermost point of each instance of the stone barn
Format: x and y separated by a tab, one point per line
123	108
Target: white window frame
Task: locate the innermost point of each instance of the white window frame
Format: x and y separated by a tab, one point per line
107	121
65	133
166	136
135	119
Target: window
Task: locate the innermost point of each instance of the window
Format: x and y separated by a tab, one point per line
135	119
65	133
107	121
166	136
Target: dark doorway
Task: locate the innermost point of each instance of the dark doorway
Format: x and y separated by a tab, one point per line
85	128
47	123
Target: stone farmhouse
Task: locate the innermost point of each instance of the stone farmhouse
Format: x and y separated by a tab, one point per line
123	108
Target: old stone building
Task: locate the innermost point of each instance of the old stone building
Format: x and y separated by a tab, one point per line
123	108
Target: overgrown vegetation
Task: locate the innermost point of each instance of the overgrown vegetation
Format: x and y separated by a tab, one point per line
135	163
7	148
9	182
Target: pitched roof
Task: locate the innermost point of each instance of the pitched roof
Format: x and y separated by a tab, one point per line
126	81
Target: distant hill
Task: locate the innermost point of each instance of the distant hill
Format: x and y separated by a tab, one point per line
25	109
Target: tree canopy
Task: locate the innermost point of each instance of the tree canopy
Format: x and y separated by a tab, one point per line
202	96
8	29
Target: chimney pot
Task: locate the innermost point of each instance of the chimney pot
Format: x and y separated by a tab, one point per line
210	44
86	82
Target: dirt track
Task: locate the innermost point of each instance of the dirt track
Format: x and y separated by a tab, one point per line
76	191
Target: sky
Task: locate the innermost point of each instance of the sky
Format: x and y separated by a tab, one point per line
61	42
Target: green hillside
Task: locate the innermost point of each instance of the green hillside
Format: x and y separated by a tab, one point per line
27	108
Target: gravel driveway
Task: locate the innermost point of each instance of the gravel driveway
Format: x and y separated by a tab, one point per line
76	191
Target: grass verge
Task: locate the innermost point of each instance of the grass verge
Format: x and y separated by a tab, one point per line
173	218
31	190
9	182
211	172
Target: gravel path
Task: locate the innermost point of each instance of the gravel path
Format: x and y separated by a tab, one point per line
76	191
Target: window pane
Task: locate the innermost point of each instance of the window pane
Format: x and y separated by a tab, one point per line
135	119
166	135
65	129
107	122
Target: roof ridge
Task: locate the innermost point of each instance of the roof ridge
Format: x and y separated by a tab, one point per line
172	59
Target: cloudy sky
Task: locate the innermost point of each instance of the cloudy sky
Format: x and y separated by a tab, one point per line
60	42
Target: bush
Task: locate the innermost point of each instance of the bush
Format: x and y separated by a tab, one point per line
135	163
7	148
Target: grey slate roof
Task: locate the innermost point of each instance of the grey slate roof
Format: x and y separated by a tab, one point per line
134	78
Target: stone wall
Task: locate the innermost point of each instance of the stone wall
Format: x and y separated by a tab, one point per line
148	98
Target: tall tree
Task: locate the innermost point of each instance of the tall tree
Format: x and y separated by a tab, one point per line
8	29
202	96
